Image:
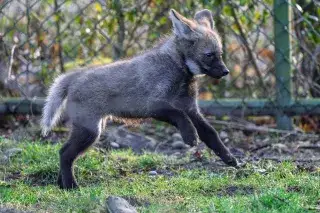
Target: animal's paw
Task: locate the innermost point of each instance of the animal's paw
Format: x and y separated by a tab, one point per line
240	164
232	161
70	187
193	143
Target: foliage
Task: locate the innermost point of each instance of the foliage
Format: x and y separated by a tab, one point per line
56	33
306	46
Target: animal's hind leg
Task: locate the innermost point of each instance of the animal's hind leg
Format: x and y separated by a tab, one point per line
81	137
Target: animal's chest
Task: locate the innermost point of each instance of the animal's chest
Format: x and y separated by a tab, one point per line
188	88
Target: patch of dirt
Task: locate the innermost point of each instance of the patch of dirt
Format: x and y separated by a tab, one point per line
236	190
301	148
12	176
308	167
11	210
253	146
293	189
41	179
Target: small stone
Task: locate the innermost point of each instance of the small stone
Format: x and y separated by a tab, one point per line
193	149
129	136
119	205
153	173
167	130
178	145
114	145
151	144
151	131
11	210
3	159
176	136
176	154
261	171
12	152
223	134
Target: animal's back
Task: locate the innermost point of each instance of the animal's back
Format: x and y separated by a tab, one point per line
127	87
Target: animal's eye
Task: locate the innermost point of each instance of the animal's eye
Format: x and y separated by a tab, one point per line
209	54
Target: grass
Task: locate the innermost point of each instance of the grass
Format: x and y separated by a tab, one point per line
28	182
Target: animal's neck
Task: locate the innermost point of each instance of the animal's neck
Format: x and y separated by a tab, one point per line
169	47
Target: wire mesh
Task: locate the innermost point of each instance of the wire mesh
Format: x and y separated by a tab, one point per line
42	39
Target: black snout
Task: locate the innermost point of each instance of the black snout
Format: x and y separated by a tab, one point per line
225	72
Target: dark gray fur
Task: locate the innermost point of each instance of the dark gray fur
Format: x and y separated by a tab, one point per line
160	83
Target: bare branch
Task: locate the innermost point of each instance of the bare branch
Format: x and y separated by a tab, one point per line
249	50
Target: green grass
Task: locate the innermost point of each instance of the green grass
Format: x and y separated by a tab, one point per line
28	182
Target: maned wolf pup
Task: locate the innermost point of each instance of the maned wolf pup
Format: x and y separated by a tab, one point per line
160	84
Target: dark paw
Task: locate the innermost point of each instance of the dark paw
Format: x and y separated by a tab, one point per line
232	161
69	186
192	143
241	164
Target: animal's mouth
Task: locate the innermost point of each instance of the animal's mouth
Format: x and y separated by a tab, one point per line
219	77
209	73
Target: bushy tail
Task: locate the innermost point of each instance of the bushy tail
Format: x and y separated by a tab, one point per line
54	105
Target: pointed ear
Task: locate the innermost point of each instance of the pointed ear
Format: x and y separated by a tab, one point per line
204	17
182	27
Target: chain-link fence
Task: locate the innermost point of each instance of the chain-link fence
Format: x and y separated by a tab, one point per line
271	48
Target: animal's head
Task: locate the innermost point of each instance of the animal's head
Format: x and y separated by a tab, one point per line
200	44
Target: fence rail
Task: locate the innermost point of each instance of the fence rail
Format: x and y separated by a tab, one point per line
219	107
275	65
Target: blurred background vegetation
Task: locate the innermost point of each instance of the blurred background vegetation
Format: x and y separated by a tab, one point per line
41	39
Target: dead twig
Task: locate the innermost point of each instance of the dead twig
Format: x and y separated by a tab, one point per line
254	128
260	147
11	62
316	208
57	22
138	22
305	160
316	147
248	48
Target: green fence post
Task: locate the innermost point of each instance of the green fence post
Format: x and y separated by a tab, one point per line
282	29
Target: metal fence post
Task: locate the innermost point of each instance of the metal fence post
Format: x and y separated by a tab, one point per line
282	29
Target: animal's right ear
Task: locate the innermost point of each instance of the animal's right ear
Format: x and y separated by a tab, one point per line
204	17
182	27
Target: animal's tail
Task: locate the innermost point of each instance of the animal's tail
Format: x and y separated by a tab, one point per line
54	105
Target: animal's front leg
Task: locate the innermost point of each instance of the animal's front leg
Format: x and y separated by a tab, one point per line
210	137
179	119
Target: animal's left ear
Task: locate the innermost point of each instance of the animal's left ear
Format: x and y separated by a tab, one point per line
204	17
182	27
